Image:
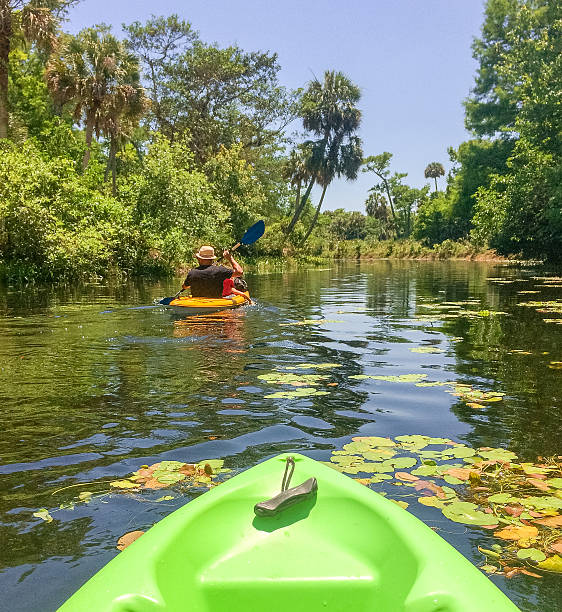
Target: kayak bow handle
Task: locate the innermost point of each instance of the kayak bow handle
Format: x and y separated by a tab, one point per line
287	497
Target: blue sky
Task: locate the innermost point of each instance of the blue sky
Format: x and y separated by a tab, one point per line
411	58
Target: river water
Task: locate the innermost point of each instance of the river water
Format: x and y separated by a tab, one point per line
95	382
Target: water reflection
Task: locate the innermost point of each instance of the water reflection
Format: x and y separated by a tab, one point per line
93	385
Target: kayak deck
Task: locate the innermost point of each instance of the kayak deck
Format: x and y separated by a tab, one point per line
199	305
345	549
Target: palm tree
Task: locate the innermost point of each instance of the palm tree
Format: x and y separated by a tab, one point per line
329	111
433	170
36	22
98	76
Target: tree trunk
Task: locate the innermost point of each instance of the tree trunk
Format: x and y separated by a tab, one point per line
5	36
316	215
90	120
299	209
113	161
435	183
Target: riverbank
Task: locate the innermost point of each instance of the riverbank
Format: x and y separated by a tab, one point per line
316	253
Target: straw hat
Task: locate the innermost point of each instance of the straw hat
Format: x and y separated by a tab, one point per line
206	252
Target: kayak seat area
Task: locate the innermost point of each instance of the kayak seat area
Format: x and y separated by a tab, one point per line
339	557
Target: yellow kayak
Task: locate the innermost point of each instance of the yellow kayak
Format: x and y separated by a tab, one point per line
199	305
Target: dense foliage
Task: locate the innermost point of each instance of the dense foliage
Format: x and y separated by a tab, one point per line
121	155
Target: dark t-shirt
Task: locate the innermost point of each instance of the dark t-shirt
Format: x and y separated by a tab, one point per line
206	281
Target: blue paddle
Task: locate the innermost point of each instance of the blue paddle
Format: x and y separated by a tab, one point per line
252	234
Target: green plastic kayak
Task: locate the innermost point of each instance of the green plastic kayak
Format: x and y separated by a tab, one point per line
328	543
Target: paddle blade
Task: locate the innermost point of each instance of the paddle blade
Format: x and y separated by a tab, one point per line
166	301
253	233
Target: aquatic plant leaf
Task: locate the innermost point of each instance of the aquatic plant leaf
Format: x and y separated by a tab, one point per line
498	454
171	466
517	532
452	480
400	503
128	538
214	464
550	521
425	470
555	482
43	514
426	349
468	514
314	366
372	441
542	503
432	501
379	454
123	484
552	564
405	476
164	498
459	452
402	463
500	498
403	378
533	554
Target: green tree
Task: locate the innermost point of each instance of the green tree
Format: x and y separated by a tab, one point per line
329	112
520	211
158	44
434	170
474	163
96	75
34	21
379	164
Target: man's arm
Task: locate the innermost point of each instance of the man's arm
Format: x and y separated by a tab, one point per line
236	267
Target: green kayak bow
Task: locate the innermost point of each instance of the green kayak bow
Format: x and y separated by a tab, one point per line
326	544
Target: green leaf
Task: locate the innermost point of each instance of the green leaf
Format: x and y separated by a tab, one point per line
555	482
452	480
459	452
552	564
533	554
468	514
43	514
123	484
500	498
425	470
401	463
165	498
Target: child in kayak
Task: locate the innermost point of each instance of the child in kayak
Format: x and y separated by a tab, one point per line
229	289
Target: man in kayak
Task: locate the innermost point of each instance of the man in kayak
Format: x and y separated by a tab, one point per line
207	279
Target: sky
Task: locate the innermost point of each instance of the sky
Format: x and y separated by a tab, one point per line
412	60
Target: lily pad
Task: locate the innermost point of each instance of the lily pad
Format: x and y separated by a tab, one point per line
43	514
468	514
532	554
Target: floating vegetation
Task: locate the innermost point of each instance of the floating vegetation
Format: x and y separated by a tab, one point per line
166	473
298	393
313	366
310	322
456	314
519	502
426	349
527	292
548	306
160	475
402	378
306	383
555	365
295	380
